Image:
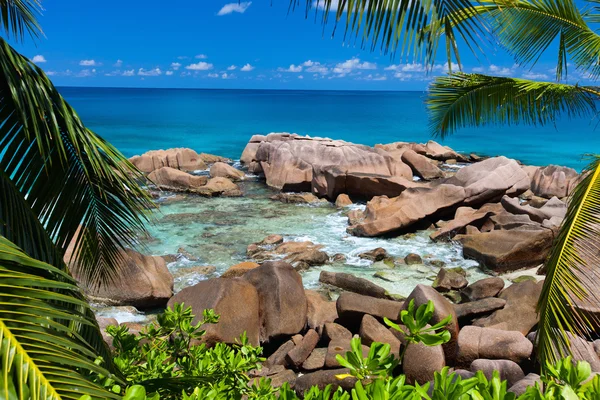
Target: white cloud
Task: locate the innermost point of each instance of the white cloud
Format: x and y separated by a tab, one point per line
88	63
308	63
225	75
501	71
409	67
231	68
118	63
175	65
240	7
200	66
316	67
201	56
38	59
86	73
352	64
51	73
247	68
130	72
376	77
169	73
291	68
403	76
213	75
149	72
300	76
535	76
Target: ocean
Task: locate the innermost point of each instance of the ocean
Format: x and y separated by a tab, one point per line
222	121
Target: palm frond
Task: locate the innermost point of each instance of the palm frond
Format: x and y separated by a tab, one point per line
529	28
77	184
43	356
18	17
460	100
408	28
570	301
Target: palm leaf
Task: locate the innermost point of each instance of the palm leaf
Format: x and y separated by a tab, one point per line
408	28
460	100
18	17
570	301
41	312
79	186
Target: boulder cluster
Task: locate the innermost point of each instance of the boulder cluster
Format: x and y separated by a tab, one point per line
505	215
302	331
170	170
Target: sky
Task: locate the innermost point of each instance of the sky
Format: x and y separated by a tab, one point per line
254	44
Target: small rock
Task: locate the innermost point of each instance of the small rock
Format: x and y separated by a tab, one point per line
343	200
298	198
378	254
521	386
222	170
449	279
372	331
413	258
494	344
353	284
333	331
300	353
316	360
453	296
272	240
340	347
509	370
278	357
282	377
477	308
351	307
320	311
487	287
338	258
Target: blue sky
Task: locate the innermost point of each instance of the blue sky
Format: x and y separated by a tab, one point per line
220	44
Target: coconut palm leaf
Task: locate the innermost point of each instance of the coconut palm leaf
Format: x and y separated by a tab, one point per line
570	301
408	28
78	185
460	100
18	17
43	355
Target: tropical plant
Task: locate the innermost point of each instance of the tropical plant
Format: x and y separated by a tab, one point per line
526	29
61	185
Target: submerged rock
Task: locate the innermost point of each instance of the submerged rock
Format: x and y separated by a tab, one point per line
219	187
298	198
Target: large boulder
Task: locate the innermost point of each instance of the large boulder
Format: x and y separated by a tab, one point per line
222	170
235	300
219	187
288	161
168	178
486	287
421	362
351	307
178	158
239	269
508	370
521	386
510	250
466	216
384	215
519	313
140	281
478	308
442	308
282	302
552	180
320	311
489	180
372	331
422	166
495	344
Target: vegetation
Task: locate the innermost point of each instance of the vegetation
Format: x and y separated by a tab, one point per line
526	29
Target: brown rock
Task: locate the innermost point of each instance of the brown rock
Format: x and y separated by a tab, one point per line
422	362
272	240
442	308
582	350
413	259
300	353
282	299
343	200
168	178
436	151
222	170
240	269
278	357
211	158
519	313
351	307
297	198
179	158
340	347
521	386
465	216
421	166
372	331
377	254
235	300
320	311
509	370
505	251
475	342
553	180
513	206
140	281
321	379
316	360
352	283
478	308
483	288
285	376
333	331
448	279
219	187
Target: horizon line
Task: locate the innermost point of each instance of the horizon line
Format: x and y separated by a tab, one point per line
232	89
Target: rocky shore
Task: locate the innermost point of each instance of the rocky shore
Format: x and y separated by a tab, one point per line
501	214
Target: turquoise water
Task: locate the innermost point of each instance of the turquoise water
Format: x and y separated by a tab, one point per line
222	121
